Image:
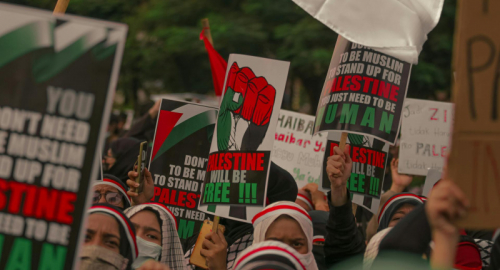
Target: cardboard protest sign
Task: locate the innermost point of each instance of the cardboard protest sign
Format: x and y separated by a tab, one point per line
363	93
433	176
369	157
425	135
238	165
179	160
475	152
296	150
57	80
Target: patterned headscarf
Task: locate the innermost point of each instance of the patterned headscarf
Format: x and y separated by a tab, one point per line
269	255
171	254
263	220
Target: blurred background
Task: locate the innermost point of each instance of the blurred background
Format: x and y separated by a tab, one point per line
164	55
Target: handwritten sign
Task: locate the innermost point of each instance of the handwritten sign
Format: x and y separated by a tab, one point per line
475	155
425	135
296	150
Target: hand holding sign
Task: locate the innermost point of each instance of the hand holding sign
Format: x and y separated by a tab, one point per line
399	181
338	168
215	250
147	191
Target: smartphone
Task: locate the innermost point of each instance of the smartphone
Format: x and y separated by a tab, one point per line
196	258
141	165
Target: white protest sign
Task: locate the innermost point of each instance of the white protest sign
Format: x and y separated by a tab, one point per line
425	135
296	150
433	176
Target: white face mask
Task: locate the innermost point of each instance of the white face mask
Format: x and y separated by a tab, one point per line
147	251
100	258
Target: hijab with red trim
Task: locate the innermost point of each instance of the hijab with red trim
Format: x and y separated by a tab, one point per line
269	255
128	245
171	254
393	204
113	181
263	220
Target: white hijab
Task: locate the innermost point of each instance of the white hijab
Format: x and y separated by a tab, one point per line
263	220
172	254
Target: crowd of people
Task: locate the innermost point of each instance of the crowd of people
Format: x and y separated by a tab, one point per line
298	229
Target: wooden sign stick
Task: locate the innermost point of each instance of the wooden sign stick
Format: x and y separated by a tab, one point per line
61	7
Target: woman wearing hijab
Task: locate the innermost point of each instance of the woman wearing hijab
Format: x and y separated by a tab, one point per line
111	190
319	220
289	223
121	157
396	208
269	255
239	235
110	241
157	237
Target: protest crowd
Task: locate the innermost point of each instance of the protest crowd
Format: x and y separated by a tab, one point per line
246	185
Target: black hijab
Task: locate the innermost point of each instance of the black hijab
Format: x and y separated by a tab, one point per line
125	151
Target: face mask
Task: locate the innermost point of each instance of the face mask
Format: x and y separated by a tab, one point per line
147	251
100	258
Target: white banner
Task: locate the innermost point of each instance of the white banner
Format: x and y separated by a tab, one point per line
425	135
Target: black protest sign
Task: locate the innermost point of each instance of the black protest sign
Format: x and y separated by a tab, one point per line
179	160
57	79
236	178
363	93
369	159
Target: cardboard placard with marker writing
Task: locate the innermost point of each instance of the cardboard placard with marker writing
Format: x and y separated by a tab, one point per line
57	80
425	135
474	162
369	157
296	149
179	160
240	155
363	92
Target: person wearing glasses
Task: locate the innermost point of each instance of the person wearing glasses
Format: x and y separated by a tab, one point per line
111	190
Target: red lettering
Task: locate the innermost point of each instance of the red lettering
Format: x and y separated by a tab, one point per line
384	89
181	198
227	160
172	197
260	161
251	161
435	111
165	196
362	154
394	93
236	157
66	207
338	83
4	186
30	201
191	200
47	204
367	83
355	84
16	196
355	153
347	81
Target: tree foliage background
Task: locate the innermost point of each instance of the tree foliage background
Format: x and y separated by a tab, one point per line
164	54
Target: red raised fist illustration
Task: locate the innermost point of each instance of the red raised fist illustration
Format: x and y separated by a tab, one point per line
251	118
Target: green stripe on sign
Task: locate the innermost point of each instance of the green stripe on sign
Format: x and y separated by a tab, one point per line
25	39
184	129
49	65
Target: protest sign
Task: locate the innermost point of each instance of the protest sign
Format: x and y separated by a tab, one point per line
240	154
57	79
433	176
179	160
363	93
369	157
296	150
475	152
425	135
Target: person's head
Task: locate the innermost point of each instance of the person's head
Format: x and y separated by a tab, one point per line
111	190
396	208
121	156
269	255
304	200
109	240
288	223
108	160
157	236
